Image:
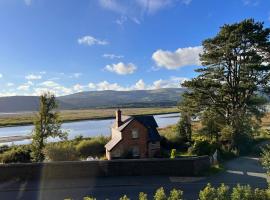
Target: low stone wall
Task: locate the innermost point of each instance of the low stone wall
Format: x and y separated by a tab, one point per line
190	166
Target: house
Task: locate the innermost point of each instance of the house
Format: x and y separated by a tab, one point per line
133	137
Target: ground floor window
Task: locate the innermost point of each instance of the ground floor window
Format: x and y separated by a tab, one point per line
135	151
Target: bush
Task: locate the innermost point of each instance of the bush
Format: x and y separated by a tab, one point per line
173	153
176	195
19	154
60	152
142	196
203	147
92	147
160	194
124	198
242	193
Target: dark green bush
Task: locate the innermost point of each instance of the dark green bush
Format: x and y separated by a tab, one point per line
203	147
92	147
19	154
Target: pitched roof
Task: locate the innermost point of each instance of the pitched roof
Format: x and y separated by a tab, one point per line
112	143
148	121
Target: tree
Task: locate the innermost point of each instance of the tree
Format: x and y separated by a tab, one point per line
183	127
234	78
47	124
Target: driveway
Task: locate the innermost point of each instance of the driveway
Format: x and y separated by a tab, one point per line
243	170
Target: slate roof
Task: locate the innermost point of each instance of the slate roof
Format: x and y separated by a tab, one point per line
109	146
147	120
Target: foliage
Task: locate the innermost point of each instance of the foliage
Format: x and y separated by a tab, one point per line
203	147
60	152
183	128
265	158
160	194
124	198
92	147
173	153
176	195
142	196
47	124
16	155
222	192
89	198
242	193
4	148
208	193
232	82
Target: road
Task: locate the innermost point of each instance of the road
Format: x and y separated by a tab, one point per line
243	170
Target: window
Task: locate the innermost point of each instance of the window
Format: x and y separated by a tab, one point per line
135	151
135	134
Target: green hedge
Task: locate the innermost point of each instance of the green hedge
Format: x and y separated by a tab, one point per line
93	147
61	152
19	154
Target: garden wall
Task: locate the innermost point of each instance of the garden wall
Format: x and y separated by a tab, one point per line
190	166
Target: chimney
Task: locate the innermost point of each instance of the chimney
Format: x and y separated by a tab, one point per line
118	118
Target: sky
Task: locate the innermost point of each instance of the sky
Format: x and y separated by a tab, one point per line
69	46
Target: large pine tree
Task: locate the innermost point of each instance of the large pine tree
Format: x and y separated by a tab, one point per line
234	78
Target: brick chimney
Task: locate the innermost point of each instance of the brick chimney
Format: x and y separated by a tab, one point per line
118	118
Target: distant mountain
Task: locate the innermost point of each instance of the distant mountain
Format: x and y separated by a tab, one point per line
98	99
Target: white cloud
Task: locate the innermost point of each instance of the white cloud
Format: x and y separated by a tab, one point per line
135	11
26	86
78	88
152	6
1	75
140	85
172	82
28	2
33	77
112	56
10	84
181	57
50	84
121	68
89	41
112	5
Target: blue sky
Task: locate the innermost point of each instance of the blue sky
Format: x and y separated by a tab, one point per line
68	46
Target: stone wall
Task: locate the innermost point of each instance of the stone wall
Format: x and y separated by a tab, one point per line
190	166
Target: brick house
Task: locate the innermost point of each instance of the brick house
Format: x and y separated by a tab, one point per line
133	137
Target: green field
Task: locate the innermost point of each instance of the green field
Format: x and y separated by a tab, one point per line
76	115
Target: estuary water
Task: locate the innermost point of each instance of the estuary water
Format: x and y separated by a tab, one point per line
86	128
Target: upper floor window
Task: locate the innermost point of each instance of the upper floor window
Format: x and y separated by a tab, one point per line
135	133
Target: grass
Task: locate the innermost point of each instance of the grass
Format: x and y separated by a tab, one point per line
77	115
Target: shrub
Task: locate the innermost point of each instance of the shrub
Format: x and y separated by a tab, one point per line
19	154
242	193
60	152
203	147
124	198
208	193
176	195
160	194
92	147
4	148
142	196
89	198
173	153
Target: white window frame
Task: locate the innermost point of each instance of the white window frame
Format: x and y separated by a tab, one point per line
135	133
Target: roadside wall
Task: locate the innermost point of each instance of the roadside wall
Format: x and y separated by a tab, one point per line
190	166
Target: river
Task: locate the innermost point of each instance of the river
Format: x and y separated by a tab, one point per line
86	128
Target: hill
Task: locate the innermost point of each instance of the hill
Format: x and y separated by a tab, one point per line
98	99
